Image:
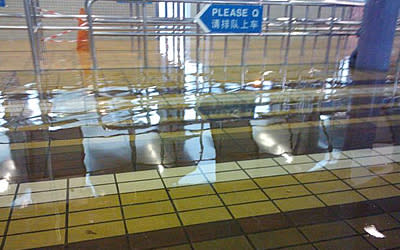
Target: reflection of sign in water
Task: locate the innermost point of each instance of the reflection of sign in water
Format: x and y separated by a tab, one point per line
228	18
2	3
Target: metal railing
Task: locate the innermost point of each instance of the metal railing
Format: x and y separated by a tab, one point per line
162	18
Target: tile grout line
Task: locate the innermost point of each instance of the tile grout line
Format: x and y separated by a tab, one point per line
66	216
176	212
276	206
3	244
122	212
229	211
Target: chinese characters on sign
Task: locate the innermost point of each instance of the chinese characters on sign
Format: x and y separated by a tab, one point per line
225	18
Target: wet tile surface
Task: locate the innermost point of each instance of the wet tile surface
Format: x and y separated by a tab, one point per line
127	159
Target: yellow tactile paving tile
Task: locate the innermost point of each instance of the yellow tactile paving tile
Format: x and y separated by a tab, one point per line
91	180
35	210
205	215
197	202
143	197
92	191
35	240
393	178
341	198
189	191
152	223
298	203
3	225
253	209
40	197
95	231
286	191
93	203
128	187
147	209
315	176
352	172
42	186
233	186
328	186
94	216
243	197
367	181
4	213
380	192
36	224
276	181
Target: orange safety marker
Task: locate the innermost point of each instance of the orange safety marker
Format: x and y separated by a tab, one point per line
82	41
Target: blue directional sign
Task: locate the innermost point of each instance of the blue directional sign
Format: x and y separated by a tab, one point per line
230	18
2	3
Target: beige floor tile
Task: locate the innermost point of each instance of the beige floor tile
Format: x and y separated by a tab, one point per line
352	172
197	202
137	176
373	160
388	150
253	209
329	156
360	153
40	197
144	196
328	186
243	197
35	240
226	176
367	181
42	186
91	180
380	192
186	180
36	224
95	231
276	181
35	210
294	159
94	191
190	191
385	169
155	208
264	172
341	198
205	215
340	164
136	186
298	203
315	176
219	167
94	216
303	167
232	186
268	162
152	223
286	192
93	203
10	190
181	171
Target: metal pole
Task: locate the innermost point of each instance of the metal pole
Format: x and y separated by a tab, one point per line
88	8
31	34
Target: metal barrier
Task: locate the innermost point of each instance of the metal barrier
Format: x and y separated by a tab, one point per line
161	18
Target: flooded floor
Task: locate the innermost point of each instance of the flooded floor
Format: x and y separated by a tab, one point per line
217	158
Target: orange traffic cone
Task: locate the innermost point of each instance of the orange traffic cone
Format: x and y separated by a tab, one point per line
82	41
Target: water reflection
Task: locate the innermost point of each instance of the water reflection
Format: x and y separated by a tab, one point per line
178	117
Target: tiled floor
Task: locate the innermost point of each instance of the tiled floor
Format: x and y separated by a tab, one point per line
142	204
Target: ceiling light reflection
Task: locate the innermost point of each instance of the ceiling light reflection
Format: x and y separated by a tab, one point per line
371	229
